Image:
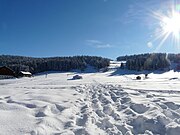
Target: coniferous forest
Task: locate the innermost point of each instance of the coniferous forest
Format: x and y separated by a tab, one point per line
37	65
153	61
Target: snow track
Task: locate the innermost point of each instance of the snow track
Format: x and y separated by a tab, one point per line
95	105
108	109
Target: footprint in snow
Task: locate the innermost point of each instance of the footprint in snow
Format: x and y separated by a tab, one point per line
23	104
7	97
40	114
82	121
172	105
139	108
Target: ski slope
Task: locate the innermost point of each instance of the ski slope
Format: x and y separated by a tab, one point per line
110	103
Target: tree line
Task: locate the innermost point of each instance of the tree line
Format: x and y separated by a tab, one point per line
37	65
150	61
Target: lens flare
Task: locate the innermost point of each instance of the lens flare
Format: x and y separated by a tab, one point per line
178	7
172	24
169	26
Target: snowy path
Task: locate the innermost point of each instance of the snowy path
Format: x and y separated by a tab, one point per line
96	105
108	109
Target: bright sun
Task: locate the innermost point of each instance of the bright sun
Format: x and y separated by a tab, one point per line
169	26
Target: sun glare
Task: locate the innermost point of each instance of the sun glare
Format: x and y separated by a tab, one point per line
169	26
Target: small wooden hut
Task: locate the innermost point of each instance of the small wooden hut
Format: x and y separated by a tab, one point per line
6	73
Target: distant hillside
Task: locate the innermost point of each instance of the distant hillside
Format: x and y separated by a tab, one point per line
36	65
150	61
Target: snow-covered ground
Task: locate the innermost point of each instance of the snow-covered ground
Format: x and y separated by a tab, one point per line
110	103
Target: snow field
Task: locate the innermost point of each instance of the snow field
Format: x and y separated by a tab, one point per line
99	104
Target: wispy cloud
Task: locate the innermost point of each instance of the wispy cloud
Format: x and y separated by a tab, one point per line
142	11
104	46
98	44
93	42
133	13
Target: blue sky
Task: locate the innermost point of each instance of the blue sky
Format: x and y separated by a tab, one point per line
108	28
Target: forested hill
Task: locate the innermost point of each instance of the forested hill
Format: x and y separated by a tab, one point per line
150	61
36	65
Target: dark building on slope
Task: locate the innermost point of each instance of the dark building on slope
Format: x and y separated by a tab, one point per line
6	73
